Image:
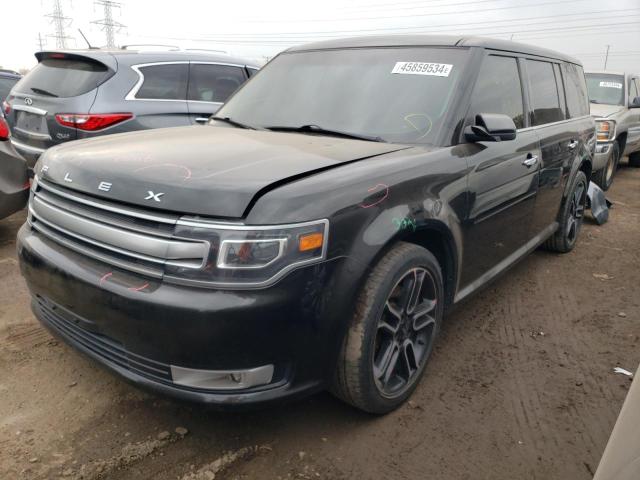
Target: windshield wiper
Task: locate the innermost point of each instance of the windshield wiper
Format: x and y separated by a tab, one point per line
230	121
594	101
325	131
43	92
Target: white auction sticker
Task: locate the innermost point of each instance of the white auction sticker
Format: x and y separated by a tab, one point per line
611	85
423	68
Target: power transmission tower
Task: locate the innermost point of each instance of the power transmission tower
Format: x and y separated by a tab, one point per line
60	22
109	25
41	42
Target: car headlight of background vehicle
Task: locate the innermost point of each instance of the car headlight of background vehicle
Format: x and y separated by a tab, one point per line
249	256
605	130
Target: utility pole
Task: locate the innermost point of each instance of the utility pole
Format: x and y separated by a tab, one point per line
109	25
60	22
606	57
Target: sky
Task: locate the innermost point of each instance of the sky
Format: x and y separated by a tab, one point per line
260	29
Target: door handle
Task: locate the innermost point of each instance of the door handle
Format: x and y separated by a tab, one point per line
573	144
202	120
530	161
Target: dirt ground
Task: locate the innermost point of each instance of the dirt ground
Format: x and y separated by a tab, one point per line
521	386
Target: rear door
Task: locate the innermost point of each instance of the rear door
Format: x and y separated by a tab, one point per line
633	134
210	85
60	83
503	177
561	138
159	98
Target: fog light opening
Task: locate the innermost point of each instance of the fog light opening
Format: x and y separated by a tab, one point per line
222	379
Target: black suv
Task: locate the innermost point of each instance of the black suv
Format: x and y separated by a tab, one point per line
75	94
313	235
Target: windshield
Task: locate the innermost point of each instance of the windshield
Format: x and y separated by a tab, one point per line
394	94
605	88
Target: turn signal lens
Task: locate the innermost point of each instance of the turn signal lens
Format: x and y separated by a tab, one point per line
310	241
91	122
605	130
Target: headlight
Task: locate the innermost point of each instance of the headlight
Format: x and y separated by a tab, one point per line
249	256
605	130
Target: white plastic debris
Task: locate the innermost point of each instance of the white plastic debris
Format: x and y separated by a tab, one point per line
623	371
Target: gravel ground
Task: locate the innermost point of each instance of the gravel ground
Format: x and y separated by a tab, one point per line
521	386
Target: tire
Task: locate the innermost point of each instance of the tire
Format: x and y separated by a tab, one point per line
634	160
604	177
571	216
371	337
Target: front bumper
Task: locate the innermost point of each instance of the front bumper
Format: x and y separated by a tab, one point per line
141	332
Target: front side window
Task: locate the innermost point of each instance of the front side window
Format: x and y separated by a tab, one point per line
499	90
545	99
633	90
397	94
213	83
164	82
605	88
576	90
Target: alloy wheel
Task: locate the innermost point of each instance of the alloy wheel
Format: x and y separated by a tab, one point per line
576	211
405	334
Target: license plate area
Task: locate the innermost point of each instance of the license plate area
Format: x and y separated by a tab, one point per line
32	123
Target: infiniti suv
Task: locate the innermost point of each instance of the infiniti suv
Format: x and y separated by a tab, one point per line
79	94
314	233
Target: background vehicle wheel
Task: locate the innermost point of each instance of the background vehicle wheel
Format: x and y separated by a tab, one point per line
604	177
634	160
398	315
571	217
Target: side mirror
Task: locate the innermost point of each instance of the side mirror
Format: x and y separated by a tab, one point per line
635	103
491	127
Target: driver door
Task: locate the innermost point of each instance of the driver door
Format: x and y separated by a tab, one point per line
503	177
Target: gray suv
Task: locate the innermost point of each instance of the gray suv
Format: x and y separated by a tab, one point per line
79	94
615	104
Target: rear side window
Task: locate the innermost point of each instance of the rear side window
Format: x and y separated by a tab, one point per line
545	100
6	84
214	83
62	77
164	82
498	89
576	90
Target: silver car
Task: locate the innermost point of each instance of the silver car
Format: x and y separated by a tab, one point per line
75	94
615	104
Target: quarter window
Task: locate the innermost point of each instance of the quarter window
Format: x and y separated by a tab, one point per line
576	90
545	101
498	89
213	83
164	82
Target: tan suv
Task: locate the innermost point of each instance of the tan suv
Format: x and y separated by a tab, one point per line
615	104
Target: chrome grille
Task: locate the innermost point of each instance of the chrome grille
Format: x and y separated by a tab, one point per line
126	237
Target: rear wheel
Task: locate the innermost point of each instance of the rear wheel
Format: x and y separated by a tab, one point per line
571	216
604	178
398	315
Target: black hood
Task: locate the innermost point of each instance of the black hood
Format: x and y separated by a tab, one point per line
204	170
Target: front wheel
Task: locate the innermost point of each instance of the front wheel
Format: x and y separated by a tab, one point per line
604	178
571	216
398	315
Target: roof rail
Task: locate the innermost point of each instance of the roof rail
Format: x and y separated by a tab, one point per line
138	45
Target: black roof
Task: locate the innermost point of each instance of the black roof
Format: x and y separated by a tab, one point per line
434	40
